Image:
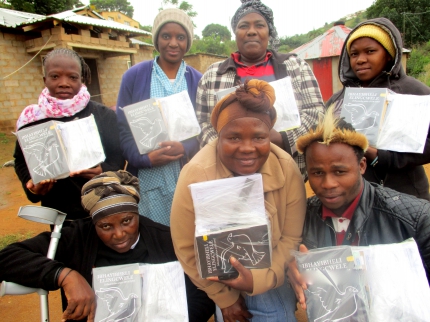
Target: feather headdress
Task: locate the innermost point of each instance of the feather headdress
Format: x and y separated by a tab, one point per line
332	130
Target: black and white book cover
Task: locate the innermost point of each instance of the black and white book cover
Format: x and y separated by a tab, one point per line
365	109
249	245
336	285
118	292
146	124
43	151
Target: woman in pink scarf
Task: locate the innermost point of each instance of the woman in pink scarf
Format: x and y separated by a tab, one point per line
66	98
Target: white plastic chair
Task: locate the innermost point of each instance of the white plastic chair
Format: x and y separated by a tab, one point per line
42	215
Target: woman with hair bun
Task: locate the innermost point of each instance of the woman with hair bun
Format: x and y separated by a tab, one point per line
243	121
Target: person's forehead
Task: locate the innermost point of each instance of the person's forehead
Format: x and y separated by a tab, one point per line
172	27
342	151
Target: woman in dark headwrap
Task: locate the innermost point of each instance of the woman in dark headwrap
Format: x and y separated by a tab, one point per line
243	121
114	235
254	30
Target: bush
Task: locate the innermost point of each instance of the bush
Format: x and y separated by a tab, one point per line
418	65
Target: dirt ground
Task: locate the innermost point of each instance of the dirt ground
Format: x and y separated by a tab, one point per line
26	308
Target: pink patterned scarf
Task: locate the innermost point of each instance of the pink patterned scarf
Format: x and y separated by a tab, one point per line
51	107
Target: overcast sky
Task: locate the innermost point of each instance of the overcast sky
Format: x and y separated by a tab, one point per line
291	17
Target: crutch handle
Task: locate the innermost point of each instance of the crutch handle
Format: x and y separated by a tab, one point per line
9	288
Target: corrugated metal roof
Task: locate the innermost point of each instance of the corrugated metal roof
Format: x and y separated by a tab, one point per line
12	18
18	18
327	45
136	41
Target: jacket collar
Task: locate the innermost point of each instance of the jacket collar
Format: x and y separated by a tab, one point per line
277	58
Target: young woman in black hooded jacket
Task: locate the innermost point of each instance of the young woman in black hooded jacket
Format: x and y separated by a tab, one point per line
371	57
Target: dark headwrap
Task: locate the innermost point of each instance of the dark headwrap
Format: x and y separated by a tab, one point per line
110	193
250	6
253	99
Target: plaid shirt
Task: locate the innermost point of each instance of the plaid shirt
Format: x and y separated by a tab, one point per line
223	75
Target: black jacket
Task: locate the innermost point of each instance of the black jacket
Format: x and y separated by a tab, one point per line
383	216
66	193
399	171
25	263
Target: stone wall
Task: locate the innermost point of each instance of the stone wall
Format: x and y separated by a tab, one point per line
201	61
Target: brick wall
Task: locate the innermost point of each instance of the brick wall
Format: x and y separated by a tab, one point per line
201	62
23	87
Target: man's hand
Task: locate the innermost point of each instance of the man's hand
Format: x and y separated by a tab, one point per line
296	279
169	151
42	188
80	297
236	312
244	282
88	173
371	154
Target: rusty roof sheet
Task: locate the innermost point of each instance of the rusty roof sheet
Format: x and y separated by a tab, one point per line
15	19
327	45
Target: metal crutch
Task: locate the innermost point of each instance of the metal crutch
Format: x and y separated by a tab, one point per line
42	215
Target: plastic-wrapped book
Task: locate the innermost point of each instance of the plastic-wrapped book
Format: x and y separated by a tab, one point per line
54	149
365	109
378	283
118	292
163	119
336	287
230	221
146	124
140	292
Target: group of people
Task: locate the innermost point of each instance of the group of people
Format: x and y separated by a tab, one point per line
119	217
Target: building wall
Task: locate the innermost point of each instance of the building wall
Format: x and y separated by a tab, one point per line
119	17
201	62
21	88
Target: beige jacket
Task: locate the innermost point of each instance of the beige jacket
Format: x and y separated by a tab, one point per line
285	200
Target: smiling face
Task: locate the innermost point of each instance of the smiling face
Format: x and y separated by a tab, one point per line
172	43
368	58
252	38
118	232
335	175
244	145
62	77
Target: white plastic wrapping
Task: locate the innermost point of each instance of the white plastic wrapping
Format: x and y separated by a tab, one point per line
164	297
179	116
230	221
392	276
399	290
140	292
82	142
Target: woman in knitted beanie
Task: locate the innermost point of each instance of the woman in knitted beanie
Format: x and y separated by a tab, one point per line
114	235
165	75
243	120
257	58
372	57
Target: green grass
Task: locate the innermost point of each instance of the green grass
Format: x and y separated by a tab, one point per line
13	238
3	138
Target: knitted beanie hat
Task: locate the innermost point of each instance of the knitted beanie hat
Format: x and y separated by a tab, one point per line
172	15
110	193
375	32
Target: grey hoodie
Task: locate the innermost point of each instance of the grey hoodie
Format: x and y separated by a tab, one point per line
400	171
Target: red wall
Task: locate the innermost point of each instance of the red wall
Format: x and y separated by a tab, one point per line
323	73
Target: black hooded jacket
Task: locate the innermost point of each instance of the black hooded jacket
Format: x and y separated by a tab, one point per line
400	171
